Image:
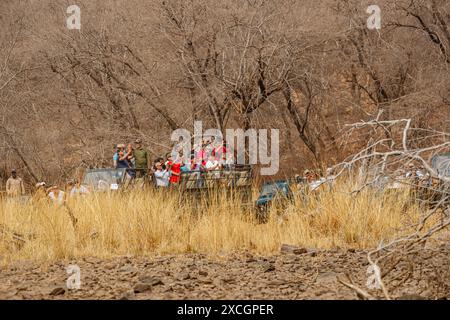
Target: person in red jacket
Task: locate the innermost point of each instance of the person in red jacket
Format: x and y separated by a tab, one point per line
175	169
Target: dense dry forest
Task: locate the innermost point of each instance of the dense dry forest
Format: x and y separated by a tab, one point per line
144	68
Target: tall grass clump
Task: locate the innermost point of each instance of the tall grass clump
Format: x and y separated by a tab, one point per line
155	222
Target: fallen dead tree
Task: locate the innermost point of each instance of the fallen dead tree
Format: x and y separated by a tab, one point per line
394	152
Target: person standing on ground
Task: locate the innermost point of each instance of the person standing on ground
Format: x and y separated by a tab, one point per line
14	186
142	159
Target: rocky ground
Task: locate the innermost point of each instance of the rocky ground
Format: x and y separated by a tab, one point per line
293	274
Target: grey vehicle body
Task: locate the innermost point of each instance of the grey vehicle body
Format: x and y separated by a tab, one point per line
235	181
441	163
277	191
102	180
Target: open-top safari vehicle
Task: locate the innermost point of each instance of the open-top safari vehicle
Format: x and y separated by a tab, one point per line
281	193
278	193
421	186
436	190
106	179
235	181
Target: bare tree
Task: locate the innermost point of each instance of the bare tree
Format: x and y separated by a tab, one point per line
430	189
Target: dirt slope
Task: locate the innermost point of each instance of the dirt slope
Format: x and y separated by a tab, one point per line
310	275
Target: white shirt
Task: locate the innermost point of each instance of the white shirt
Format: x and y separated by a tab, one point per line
211	164
81	190
229	158
59	199
316	184
162	178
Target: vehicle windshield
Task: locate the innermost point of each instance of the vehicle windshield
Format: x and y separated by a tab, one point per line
104	179
270	189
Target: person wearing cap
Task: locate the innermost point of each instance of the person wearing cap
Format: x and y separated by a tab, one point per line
14	185
41	192
41	185
309	176
142	159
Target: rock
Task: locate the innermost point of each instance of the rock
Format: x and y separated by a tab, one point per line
411	297
109	266
427	293
142	287
286	248
183	276
90	260
313	252
321	292
327	277
190	263
129	295
150	280
128	269
275	283
169	289
203	273
268	267
207	281
300	251
22	287
26	296
228	280
126	259
57	291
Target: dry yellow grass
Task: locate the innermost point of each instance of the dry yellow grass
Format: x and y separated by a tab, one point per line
152	222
